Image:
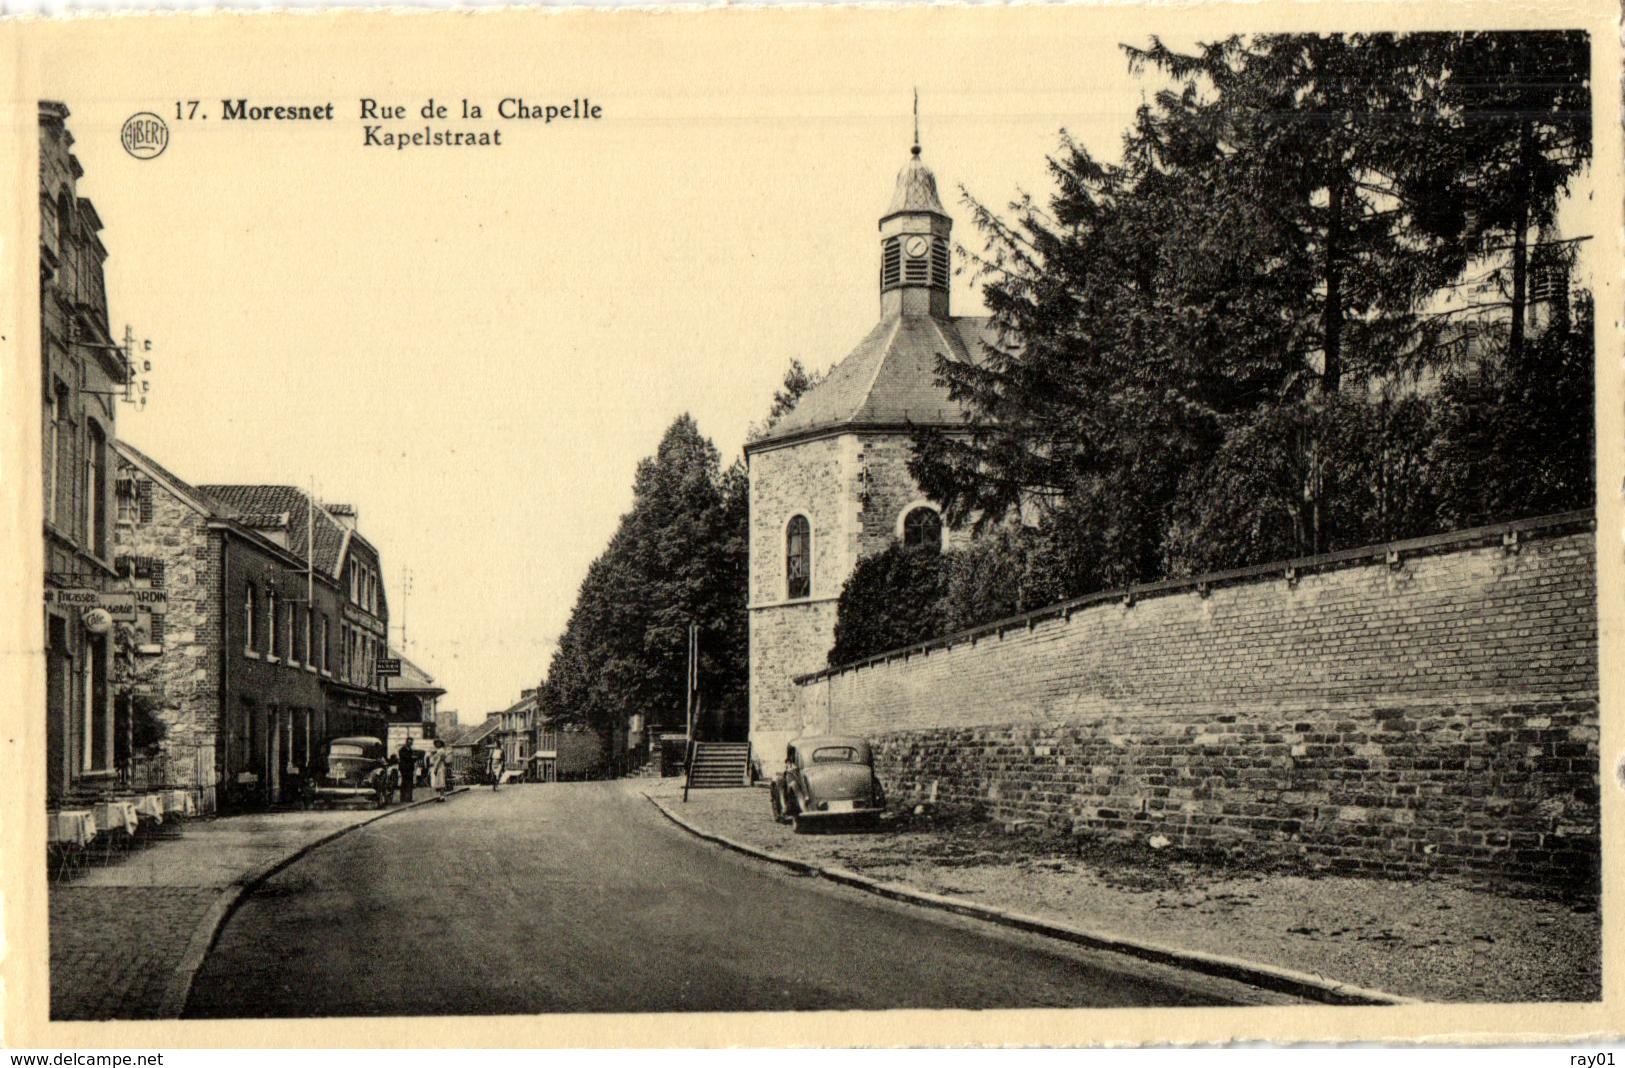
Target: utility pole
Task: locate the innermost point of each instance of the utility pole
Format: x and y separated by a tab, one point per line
406	588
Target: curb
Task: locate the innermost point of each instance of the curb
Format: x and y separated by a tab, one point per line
179	988
1253	973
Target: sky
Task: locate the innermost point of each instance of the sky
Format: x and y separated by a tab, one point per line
475	347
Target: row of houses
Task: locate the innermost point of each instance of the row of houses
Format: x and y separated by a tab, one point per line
534	748
205	637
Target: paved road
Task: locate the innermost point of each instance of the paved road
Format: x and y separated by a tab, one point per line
583	898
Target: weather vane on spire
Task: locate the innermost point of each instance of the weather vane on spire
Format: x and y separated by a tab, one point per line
916	120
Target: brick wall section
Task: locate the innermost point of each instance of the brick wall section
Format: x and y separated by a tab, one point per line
1441	715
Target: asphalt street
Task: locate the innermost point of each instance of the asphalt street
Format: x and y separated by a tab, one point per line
581	897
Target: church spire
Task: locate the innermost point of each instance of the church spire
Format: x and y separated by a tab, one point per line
914	241
916	122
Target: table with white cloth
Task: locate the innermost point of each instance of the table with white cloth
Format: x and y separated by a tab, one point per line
117	815
71	827
179	803
68	833
149	807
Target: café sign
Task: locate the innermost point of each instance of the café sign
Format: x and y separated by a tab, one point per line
122	604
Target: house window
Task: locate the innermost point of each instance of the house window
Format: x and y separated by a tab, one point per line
96	750
798	558
922	529
65	446
323	650
56	407
251	609
124	500
64	222
293	651
95	489
271	621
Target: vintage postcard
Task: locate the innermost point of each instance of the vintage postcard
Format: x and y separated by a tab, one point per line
816	526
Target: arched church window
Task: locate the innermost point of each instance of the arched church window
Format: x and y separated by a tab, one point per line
922	529
798	558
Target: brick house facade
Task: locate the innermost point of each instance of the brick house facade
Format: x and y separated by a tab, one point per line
829	482
244	672
83	373
237	669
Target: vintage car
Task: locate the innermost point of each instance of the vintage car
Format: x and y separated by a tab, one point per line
827	779
358	769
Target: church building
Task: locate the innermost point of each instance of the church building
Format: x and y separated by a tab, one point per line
829	484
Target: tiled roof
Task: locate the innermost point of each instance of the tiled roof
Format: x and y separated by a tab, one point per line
521	705
890	378
250	504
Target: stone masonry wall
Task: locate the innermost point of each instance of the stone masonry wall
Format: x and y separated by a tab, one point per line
1436	713
790	638
181	674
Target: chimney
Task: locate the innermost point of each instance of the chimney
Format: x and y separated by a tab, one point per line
344	513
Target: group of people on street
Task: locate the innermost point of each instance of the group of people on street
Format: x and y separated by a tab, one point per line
432	769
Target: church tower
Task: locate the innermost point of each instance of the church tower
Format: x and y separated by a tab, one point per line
829	484
914	232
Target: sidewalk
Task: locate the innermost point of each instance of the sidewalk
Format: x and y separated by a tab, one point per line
1438	940
127	937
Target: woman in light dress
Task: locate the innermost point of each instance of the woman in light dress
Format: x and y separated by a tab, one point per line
437	769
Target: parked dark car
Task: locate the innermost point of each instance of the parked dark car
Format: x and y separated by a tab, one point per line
829	778
358	769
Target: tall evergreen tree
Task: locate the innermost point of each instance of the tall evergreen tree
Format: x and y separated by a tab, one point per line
676	559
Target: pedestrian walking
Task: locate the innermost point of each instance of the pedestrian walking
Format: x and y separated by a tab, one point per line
409	770
437	769
493	764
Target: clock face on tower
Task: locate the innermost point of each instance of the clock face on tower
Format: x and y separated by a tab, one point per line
915	247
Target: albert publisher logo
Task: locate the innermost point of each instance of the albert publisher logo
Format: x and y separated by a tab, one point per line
144	135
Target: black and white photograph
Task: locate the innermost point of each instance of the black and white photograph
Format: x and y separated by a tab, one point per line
707	519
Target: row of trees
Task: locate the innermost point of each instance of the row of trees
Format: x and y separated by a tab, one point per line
1248	339
677	558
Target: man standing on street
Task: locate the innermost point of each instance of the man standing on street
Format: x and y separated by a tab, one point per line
409	770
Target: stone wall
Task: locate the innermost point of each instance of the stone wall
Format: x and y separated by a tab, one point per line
789	638
180	670
1435	710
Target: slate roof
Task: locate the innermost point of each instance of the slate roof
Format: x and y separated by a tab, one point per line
254	505
916	189
123	445
475	735
889	379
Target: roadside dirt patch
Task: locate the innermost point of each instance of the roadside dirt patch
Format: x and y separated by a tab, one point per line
1441	939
